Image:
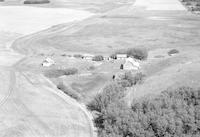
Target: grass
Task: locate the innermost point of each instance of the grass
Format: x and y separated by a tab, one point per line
88	86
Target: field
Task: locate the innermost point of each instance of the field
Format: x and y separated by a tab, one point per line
151	30
94	6
36	18
129	27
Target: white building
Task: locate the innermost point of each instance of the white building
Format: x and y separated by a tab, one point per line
121	56
131	64
48	62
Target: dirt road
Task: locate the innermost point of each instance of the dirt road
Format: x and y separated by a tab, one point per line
31	106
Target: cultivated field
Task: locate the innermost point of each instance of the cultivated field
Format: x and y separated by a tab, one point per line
15	20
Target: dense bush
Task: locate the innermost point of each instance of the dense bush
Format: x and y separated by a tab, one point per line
98	58
173	113
55	73
128	79
78	56
192	5
111	93
36	1
67	91
173	51
138	53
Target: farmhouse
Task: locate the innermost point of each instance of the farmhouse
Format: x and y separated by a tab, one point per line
131	64
121	56
48	62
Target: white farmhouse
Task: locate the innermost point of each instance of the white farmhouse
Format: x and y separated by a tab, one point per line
131	64
121	56
48	62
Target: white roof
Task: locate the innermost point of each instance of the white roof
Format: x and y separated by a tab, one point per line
49	60
122	55
88	55
131	64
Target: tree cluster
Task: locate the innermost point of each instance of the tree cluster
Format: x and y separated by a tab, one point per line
98	58
36	1
173	113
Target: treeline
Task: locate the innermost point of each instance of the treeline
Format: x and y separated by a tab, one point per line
36	1
173	113
193	5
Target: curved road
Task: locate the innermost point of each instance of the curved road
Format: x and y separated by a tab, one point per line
31	106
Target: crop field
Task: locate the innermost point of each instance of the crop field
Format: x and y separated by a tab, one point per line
15	20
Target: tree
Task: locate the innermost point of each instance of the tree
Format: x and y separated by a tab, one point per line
98	58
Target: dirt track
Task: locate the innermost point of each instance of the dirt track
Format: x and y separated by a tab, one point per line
31	106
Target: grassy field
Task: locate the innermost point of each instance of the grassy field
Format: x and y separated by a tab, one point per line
116	30
128	27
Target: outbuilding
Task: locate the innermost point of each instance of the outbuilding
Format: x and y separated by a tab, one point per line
121	56
48	62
